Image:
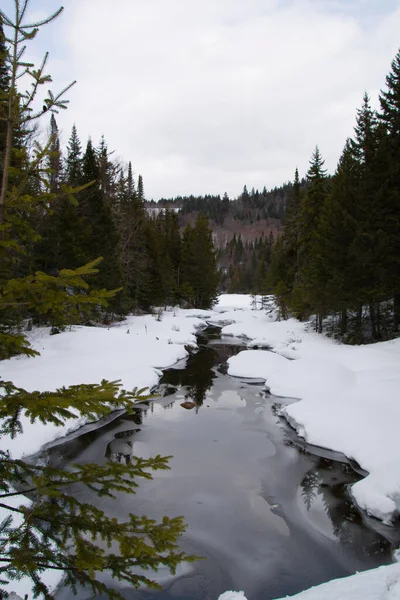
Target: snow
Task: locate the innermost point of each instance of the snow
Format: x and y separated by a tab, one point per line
232	596
133	352
233	301
344	398
348	397
254	364
382	583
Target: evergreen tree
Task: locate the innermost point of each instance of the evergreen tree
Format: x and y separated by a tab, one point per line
368	248
55	158
140	189
103	239
199	272
284	260
389	193
74	159
4	89
132	227
336	234
131	191
309	293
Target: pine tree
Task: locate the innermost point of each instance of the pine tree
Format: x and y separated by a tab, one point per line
74	159
140	189
55	158
368	248
284	260
336	234
132	227
103	239
4	89
309	294
131	191
389	193
199	271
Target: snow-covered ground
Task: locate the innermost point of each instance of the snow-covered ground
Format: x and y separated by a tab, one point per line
348	396
345	398
382	583
133	352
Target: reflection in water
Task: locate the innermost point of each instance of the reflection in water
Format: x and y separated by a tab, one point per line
324	491
309	488
198	375
120	449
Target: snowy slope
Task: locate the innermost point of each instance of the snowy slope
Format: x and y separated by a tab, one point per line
377	584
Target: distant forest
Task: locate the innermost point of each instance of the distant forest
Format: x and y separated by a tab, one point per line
244	230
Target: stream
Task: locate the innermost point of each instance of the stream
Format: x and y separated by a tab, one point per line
269	517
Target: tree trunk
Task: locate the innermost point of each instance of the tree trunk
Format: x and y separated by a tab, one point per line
372	316
319	323
359	317
343	321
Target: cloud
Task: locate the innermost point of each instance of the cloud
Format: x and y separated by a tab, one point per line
206	96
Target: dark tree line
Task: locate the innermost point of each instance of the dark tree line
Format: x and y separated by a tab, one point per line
245	265
250	206
97	209
339	255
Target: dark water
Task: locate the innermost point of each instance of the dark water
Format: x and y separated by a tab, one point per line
269	518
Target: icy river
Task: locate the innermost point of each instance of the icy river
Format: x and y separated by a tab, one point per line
269	517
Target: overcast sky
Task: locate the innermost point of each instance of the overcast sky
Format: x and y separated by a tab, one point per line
204	96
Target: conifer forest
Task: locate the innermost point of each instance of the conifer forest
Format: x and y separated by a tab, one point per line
82	244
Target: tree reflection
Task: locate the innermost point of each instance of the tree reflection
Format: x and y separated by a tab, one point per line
309	488
197	377
328	482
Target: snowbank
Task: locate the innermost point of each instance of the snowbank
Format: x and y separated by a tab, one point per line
133	352
349	397
378	584
233	301
255	363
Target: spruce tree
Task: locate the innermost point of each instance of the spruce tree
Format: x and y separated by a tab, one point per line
199	270
336	233
367	250
309	294
389	193
133	226
74	159
140	189
103	239
284	260
4	89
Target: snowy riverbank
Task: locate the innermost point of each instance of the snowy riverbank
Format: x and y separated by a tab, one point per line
343	398
133	351
377	584
347	397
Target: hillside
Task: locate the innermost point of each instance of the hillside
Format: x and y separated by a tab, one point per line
243	229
